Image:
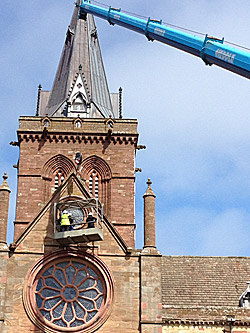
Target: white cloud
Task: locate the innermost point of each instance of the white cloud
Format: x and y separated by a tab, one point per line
203	232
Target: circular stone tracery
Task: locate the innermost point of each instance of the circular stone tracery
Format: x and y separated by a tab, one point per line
69	292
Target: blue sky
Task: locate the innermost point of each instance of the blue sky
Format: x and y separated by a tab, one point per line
194	119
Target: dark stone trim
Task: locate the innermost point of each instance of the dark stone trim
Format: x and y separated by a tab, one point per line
124	224
123	177
37	176
197	322
145	322
86	137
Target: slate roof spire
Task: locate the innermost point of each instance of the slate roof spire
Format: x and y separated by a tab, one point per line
80	85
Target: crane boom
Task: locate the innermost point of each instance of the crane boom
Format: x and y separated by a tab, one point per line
212	50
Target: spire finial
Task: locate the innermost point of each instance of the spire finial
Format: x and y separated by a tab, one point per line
38	99
149	191
149	182
80	67
5	186
120	102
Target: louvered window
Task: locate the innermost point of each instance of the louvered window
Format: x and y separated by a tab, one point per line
59	179
94	184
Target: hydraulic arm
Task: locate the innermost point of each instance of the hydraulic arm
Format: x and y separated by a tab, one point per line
211	50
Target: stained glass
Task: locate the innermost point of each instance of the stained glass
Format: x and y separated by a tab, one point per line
68	316
60	276
62	264
89	293
51	282
57	312
79	277
48	271
87	284
80	313
99	286
39	301
60	323
71	294
46	315
88	305
99	302
92	273
78	265
49	293
50	303
70	273
39	285
76	323
91	315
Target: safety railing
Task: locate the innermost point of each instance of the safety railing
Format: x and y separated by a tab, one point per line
78	221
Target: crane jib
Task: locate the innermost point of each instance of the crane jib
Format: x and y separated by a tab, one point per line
225	55
211	50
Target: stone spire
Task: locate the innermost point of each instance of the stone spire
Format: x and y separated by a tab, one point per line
149	217
80	86
4	209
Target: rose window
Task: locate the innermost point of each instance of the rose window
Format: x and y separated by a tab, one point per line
70	294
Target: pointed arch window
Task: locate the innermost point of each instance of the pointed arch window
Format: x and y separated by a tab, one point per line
78	124
59	179
79	103
94	184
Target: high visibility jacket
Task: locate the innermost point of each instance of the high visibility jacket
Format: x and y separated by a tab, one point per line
65	219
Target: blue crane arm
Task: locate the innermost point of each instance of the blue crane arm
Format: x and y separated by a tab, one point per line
211	50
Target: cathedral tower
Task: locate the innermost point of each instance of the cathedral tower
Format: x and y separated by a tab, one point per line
73	266
77	118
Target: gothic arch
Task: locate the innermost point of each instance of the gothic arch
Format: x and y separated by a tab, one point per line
55	170
97	164
58	162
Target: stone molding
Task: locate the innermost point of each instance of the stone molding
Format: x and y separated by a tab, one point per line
29	298
38	137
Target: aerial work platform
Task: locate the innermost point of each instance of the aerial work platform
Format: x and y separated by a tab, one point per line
80	230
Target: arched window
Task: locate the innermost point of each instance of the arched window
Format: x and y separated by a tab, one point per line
78	124
94	184
79	103
46	123
98	175
54	172
59	178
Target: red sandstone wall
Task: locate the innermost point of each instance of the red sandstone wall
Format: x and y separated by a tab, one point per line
35	185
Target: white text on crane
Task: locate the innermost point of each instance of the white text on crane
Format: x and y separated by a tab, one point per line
225	55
